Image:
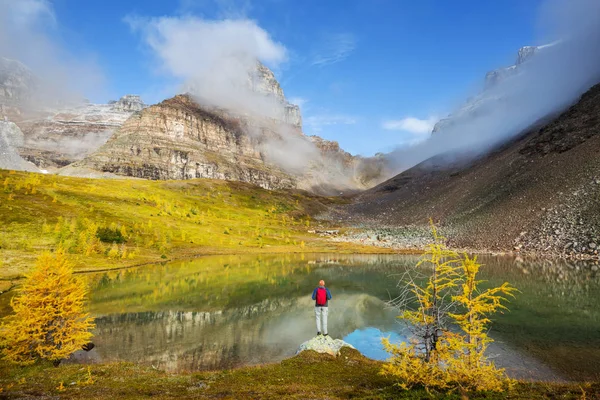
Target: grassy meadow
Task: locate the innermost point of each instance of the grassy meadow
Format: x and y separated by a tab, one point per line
113	223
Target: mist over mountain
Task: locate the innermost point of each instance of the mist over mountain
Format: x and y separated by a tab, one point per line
544	80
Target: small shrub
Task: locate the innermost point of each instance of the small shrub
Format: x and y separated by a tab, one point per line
108	235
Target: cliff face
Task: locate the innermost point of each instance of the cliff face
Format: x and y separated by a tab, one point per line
182	139
177	139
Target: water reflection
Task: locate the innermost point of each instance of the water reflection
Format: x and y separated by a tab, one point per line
265	332
227	311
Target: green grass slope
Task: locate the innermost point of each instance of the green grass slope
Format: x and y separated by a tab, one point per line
114	223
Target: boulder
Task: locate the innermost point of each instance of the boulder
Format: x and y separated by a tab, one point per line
324	344
11	137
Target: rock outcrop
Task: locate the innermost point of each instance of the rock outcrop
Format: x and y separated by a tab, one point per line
324	344
128	103
11	138
178	139
56	138
263	81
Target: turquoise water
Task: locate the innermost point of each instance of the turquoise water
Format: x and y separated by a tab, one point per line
368	341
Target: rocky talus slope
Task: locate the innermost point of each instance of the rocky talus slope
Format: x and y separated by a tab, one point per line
538	193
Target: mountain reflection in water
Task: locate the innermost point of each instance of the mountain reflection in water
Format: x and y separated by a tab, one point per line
227	311
260	333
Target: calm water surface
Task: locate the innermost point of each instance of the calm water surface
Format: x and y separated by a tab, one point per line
229	311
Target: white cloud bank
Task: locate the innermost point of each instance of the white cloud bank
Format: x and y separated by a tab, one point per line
413	130
213	59
410	124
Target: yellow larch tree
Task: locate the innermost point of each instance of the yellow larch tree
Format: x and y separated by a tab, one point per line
472	368
447	318
49	319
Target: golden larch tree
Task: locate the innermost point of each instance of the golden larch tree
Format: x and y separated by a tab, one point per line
49	320
447	316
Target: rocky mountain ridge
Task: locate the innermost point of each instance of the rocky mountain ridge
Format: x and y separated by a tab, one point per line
182	139
179	139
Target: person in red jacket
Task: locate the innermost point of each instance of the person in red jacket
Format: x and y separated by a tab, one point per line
321	296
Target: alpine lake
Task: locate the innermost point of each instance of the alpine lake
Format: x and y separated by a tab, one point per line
222	312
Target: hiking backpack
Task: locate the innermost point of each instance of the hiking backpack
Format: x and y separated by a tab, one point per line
321	296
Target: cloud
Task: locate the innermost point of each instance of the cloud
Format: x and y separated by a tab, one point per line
299	101
29	32
26	13
334	48
213	59
316	123
413	130
410	124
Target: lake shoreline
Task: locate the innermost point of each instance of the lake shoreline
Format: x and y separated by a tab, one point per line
307	375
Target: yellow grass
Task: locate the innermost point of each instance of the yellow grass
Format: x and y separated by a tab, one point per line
157	220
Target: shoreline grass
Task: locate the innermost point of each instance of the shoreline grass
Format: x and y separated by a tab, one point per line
307	375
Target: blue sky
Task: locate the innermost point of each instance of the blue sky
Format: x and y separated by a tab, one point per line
356	66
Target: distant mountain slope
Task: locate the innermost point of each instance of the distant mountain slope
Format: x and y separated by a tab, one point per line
540	192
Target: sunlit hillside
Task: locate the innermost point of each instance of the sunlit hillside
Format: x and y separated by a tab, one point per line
112	223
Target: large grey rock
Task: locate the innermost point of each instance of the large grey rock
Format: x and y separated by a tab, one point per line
10	138
324	344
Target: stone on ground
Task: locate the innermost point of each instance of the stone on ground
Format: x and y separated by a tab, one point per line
324	344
